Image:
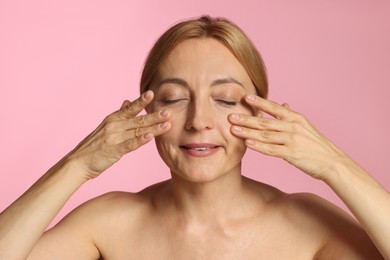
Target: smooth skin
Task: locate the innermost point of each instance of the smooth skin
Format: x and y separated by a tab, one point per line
207	210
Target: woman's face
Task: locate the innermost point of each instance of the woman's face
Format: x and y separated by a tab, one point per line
201	83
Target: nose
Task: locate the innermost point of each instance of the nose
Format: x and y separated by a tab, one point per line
199	116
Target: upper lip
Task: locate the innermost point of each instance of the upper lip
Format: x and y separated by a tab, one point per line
199	145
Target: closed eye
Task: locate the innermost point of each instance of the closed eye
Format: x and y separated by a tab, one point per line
227	102
171	101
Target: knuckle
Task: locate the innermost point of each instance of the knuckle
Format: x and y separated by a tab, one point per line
138	132
297	127
298	117
271	150
264	122
265	134
131	145
110	126
140	120
127	110
140	103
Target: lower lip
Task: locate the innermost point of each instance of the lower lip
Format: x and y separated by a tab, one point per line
200	153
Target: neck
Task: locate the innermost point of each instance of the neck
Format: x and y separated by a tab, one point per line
213	202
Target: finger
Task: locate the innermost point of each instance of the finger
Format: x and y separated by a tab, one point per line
259	113
125	103
264	136
133	142
155	130
144	120
270	107
131	109
274	150
260	123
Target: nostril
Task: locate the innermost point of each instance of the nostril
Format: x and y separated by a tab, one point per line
199	117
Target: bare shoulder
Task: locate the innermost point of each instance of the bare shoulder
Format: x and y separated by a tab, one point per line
120	212
340	235
109	206
88	231
81	232
118	204
317	225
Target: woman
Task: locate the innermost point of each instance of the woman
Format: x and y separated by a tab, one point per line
204	88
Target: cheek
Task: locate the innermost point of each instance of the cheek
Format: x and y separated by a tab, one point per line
164	147
224	126
223	123
165	141
171	137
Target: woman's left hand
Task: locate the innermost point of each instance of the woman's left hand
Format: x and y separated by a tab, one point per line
287	135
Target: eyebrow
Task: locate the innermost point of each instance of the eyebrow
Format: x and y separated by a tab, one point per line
174	81
216	82
226	80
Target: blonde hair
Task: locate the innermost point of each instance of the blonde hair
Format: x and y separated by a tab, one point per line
218	28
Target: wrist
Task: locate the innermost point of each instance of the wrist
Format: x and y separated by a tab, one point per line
342	170
72	169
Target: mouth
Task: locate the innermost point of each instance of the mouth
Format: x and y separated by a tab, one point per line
200	149
200	146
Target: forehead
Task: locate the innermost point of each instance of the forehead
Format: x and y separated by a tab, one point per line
202	59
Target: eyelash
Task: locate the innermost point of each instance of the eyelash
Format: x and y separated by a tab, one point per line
173	101
226	102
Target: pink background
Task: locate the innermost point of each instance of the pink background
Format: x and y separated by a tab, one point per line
64	65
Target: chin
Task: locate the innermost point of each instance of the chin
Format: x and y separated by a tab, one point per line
203	173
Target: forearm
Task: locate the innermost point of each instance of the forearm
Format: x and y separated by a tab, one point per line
24	221
367	200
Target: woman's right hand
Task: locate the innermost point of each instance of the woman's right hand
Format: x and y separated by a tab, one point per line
120	133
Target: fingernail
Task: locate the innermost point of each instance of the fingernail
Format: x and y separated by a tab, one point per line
250	97
147	94
237	128
164	113
250	142
164	125
236	117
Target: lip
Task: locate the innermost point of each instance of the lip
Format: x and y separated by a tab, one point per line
200	149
